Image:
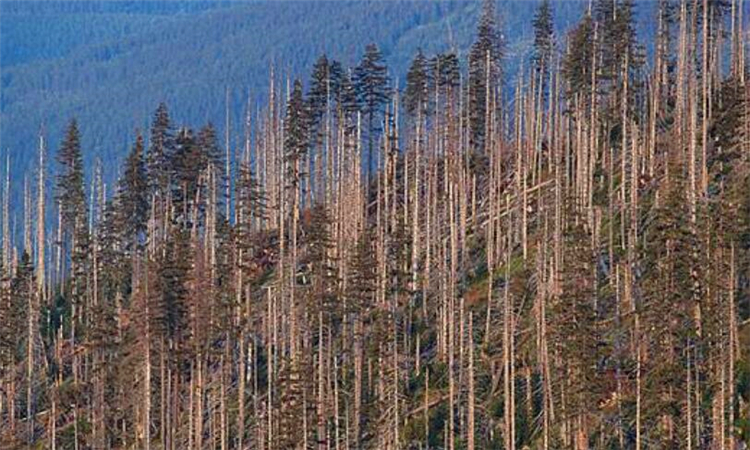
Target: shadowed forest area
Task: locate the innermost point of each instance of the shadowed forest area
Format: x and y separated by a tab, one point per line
443	263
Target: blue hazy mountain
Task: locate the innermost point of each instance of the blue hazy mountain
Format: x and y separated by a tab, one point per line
109	63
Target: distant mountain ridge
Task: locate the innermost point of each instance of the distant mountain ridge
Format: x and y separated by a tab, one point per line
110	63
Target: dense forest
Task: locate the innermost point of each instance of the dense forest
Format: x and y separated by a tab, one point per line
441	264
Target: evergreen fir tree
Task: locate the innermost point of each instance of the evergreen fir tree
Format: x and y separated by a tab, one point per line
544	40
212	155
669	304
70	191
322	270
296	134
336	74
484	71
186	166
372	85
318	100
290	387
577	63
620	43
25	304
575	321
445	75
73	212
132	196
170	291
161	148
346	96
416	95
320	88
192	157
115	276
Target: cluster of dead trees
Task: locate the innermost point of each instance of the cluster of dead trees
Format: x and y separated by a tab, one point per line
560	264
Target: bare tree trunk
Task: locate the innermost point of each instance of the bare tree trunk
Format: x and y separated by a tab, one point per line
470	444
321	386
638	383
242	321
30	336
730	347
146	425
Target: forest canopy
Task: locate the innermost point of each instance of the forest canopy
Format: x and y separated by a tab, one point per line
440	263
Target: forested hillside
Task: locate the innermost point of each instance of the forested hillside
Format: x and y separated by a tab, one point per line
378	258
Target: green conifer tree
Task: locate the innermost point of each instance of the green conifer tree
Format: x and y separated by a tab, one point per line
132	196
544	40
372	85
484	71
416	95
161	147
296	135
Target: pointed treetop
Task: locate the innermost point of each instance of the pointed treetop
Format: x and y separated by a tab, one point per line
320	89
416	95
489	38
543	36
296	122
371	79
